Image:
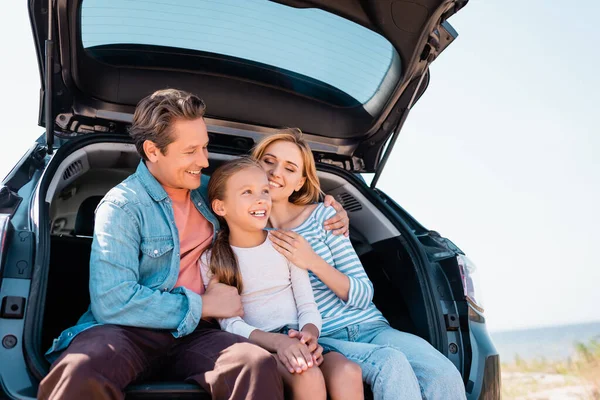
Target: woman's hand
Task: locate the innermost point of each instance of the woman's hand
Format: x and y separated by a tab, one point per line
339	223
295	248
316	350
294	354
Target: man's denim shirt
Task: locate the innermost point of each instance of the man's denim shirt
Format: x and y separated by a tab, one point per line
134	262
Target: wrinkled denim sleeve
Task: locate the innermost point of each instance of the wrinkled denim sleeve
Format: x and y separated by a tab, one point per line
115	293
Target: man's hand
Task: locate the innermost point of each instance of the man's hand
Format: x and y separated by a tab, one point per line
294	354
308	336
339	223
221	301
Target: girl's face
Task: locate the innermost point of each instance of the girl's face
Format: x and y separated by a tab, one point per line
282	161
247	203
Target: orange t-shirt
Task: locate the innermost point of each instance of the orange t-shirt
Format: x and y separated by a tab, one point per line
195	234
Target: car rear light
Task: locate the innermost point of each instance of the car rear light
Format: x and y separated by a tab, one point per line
470	281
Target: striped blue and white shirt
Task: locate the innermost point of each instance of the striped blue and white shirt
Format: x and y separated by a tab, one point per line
338	252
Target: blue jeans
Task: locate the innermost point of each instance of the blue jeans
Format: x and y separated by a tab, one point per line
397	365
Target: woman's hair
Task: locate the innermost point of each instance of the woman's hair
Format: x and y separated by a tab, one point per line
311	190
223	264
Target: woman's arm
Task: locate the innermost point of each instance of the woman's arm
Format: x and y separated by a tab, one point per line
346	278
335	280
298	251
360	290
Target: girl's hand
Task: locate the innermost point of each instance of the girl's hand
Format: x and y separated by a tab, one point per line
295	248
294	354
311	342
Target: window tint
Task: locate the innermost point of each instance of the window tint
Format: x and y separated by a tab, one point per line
310	42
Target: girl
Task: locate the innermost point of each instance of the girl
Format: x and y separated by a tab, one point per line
277	296
396	364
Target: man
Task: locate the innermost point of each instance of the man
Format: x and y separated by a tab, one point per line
149	308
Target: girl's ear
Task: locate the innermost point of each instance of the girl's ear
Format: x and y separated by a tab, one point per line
300	184
218	207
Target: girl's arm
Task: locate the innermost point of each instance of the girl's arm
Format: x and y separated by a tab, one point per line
291	352
308	313
237	326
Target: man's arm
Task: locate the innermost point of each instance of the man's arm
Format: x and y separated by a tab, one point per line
115	293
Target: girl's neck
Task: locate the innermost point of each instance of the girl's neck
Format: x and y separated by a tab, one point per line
239	237
283	213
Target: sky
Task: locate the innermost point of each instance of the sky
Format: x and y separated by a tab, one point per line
499	155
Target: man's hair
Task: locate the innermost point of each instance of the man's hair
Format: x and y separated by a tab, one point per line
155	114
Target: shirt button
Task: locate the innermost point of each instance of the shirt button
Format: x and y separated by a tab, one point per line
155	251
69	334
199	203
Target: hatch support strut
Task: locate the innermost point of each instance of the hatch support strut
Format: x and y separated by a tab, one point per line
48	112
390	146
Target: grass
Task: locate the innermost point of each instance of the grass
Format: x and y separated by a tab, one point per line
535	379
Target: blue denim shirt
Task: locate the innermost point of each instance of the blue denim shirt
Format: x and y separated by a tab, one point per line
134	262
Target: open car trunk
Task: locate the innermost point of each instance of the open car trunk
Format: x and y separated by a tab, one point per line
86	169
345	72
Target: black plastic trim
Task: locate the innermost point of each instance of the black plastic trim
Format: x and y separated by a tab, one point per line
17	266
162	390
435	317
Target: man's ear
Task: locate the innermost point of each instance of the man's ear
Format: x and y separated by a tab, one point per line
300	184
151	150
218	207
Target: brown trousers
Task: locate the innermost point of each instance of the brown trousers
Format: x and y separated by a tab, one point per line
101	361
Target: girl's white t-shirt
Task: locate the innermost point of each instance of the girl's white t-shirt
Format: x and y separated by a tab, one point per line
275	294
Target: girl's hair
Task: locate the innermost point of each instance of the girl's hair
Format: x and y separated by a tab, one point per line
311	190
223	264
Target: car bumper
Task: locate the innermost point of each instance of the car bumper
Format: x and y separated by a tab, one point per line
484	379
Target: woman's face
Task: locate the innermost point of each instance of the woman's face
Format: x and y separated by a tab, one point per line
282	161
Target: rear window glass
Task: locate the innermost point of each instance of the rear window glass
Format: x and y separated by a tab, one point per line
310	42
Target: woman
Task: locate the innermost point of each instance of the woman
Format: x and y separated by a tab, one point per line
397	365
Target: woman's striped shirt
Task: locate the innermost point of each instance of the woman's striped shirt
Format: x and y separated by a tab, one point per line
338	252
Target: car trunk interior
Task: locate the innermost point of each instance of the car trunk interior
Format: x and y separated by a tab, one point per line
86	174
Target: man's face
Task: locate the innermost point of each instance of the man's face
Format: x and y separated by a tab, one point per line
181	165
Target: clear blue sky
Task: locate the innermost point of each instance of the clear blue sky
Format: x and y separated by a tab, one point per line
499	155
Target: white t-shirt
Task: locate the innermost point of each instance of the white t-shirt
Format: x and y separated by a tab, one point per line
276	293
